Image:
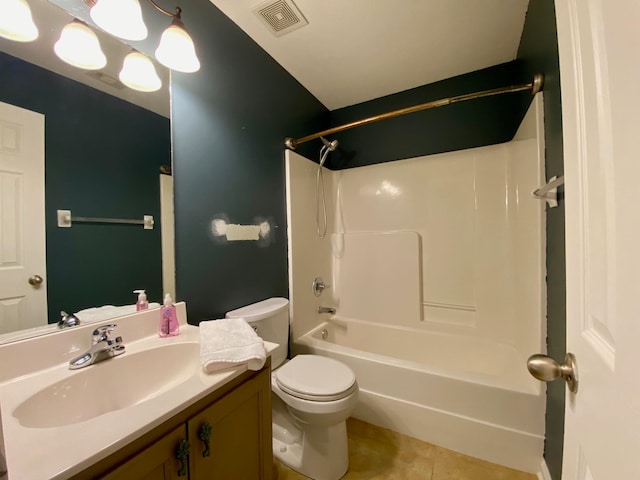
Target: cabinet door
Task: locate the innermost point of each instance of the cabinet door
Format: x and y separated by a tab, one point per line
238	427
156	462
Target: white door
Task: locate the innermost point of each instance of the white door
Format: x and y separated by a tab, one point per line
600	78
22	230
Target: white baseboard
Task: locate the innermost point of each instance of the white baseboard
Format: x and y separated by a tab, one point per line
544	474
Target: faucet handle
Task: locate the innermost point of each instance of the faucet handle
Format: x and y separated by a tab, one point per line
318	286
101	333
114	341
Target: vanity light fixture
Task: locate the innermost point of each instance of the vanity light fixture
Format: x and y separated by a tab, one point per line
123	18
176	50
79	46
16	21
139	73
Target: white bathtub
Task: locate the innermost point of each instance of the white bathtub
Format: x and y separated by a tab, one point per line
469	395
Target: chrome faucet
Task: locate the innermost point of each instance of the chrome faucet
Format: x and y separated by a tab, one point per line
67	320
330	310
102	347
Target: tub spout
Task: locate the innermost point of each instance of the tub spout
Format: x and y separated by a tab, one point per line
329	310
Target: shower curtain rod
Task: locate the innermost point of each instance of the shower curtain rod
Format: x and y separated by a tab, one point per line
535	86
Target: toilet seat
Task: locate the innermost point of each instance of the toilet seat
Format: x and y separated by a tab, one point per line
316	378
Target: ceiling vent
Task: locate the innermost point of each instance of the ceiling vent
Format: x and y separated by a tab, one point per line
106	79
280	16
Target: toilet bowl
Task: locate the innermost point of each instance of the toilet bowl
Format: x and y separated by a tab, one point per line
312	396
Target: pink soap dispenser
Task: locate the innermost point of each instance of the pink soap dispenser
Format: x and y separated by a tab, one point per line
142	303
169	326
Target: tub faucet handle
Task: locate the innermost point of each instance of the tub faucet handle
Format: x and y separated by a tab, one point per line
318	286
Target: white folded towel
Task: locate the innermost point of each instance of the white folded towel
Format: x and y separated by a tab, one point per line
106	312
230	342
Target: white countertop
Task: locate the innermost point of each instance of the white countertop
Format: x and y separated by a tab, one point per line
59	452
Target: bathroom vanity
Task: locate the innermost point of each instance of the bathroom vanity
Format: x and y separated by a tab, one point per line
149	413
225	435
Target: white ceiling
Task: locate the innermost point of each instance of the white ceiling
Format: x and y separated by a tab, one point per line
357	50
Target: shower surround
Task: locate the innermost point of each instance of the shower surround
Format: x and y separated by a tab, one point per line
435	266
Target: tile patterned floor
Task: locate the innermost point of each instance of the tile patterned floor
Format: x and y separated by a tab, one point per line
377	453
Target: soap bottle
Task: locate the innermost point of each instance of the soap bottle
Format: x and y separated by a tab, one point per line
142	303
168	318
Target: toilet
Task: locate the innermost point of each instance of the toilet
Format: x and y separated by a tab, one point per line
312	397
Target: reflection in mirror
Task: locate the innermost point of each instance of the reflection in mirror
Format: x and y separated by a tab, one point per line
79	140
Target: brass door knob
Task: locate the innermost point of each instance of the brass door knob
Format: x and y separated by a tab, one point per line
546	369
35	280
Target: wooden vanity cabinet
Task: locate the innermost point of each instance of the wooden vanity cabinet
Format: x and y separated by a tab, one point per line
234	422
237	426
156	462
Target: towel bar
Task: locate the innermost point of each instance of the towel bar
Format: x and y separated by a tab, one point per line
65	220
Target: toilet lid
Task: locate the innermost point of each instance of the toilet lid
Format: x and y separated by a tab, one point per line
316	378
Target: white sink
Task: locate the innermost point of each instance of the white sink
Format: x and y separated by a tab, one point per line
110	385
107	405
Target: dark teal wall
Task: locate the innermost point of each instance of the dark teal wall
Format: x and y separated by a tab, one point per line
539	52
102	160
229	121
468	124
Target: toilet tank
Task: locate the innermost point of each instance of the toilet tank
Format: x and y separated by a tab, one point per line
270	318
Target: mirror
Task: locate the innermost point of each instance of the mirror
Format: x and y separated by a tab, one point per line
104	147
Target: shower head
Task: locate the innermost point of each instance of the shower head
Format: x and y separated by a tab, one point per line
331	146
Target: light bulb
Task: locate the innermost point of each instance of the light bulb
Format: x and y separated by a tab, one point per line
176	50
139	73
79	46
16	21
122	18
